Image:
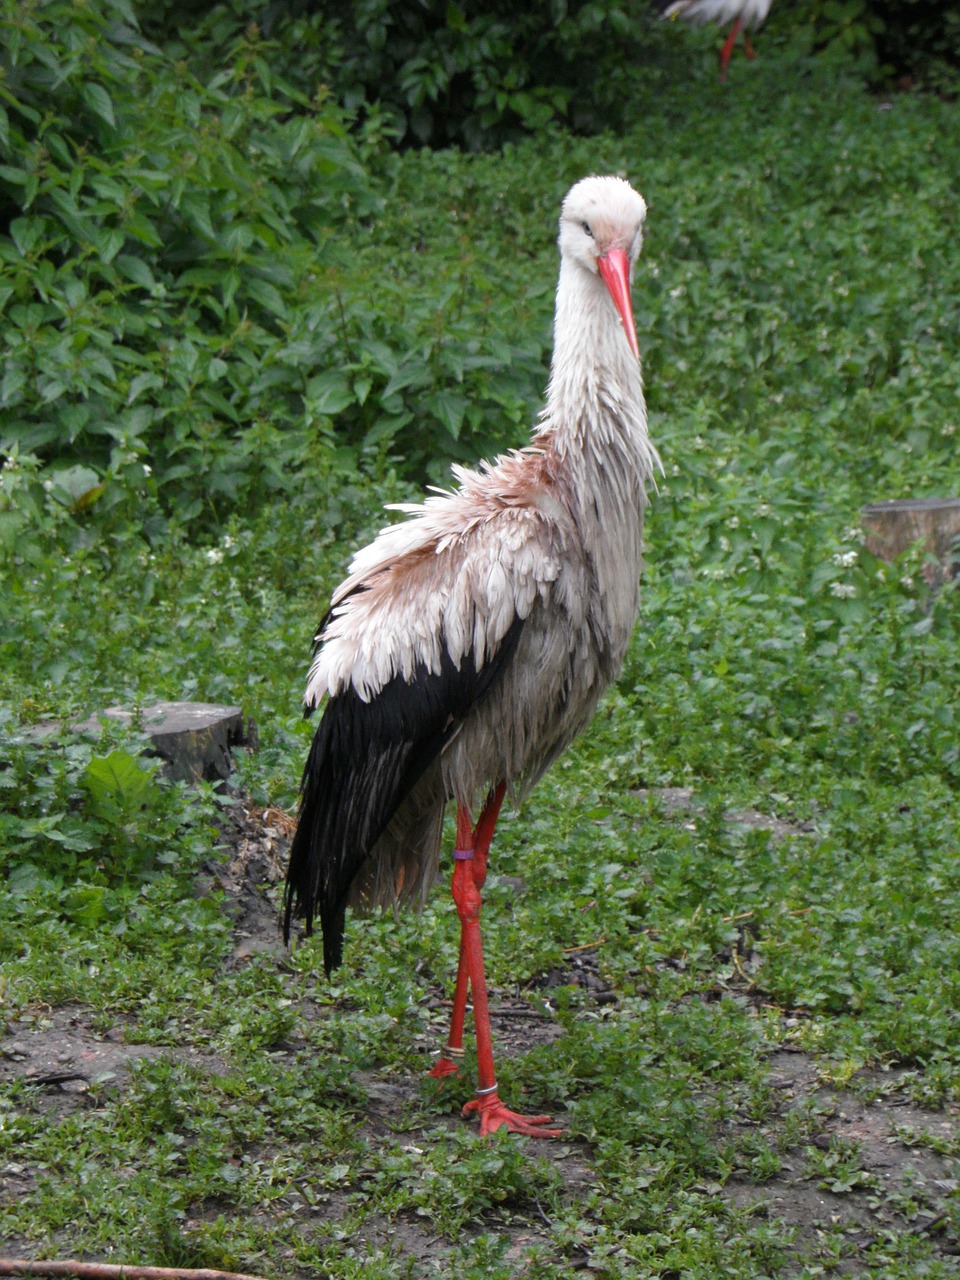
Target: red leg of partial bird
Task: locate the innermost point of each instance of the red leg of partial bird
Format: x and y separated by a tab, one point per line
470	872
748	48
727	49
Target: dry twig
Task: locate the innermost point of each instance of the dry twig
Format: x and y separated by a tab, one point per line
110	1271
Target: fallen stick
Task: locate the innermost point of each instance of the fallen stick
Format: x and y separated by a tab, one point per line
110	1271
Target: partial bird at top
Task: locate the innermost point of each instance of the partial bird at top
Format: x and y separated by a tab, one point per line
471	642
746	15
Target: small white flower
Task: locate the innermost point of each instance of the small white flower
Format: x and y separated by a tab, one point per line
733	522
845	559
147	469
764	509
214	555
906	581
229	542
844	590
948	429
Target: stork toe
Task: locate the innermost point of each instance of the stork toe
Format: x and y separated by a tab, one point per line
494	1115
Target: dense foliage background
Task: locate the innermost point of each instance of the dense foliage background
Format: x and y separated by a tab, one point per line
242	306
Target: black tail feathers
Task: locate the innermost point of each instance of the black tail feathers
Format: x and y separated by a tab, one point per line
366	758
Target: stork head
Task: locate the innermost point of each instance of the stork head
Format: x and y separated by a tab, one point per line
601	230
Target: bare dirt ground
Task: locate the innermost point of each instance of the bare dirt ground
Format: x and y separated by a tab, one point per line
900	1184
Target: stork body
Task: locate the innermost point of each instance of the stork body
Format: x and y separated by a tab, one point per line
745	15
471	642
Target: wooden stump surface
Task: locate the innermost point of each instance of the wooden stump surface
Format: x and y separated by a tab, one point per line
892	527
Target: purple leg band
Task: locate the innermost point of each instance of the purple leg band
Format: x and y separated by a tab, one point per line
462	855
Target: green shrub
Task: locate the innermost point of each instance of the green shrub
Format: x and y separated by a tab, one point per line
462	73
157	234
913	44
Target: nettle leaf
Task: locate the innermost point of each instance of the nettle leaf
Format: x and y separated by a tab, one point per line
136	270
125	10
118	785
26	232
143	382
60	829
330	393
268	296
11	522
412	373
387	426
98	100
109	244
17	176
76	487
196	210
449	407
85	904
235	238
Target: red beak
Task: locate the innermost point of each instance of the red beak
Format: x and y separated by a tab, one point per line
614	267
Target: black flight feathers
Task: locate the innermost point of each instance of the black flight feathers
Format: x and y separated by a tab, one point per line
365	760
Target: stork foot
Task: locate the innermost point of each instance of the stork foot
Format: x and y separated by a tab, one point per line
493	1115
442	1068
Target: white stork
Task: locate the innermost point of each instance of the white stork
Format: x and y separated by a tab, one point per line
746	15
472	641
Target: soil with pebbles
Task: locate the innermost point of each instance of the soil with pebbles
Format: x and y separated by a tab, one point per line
901	1183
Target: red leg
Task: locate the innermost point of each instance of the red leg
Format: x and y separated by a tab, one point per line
452	1053
470	872
727	49
748	48
478	839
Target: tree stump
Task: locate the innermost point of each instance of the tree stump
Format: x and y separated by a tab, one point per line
893	527
193	738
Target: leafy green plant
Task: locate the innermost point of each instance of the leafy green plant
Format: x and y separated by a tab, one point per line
157	232
81	824
454	73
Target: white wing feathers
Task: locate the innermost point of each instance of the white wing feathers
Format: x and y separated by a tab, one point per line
751	13
455	575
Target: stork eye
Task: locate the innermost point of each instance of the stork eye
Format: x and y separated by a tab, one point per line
586	227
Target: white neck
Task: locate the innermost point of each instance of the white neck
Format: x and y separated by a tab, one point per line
595	420
595	402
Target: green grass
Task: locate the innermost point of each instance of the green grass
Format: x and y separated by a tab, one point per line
797	304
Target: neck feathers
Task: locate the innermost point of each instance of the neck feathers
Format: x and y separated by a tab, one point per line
595	403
